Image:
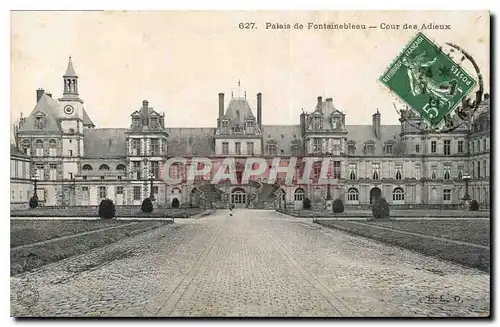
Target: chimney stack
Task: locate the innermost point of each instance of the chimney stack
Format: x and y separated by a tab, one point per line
320	102
259	109
39	93
376	124
221	105
145	112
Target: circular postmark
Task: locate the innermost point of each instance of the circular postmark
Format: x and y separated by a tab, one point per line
28	295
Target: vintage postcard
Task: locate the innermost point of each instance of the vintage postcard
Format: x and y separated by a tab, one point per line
250	164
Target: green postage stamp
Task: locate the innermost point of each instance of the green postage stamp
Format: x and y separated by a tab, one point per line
428	80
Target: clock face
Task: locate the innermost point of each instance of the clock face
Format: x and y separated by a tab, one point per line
68	110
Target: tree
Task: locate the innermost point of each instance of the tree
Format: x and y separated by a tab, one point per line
338	206
306	204
33	202
474	205
147	205
380	208
107	209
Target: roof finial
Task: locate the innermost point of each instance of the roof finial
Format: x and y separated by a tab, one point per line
70	71
245	94
238	88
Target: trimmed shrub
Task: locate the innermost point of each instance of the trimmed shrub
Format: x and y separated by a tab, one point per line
380	208
107	209
306	204
147	205
474	205
338	206
33	202
175	203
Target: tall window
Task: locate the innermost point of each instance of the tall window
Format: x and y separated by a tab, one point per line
352	171
375	171
317	145
40	171
119	190
155	169
336	170
399	171
460	172
336	147
433	146
388	148
336	122
250	150
295	150
433	172
446	195
417	148
398	195
484	169
135	145
473	169
317	123
52	148
447	171
353	195
417	171
479	169
447	147
460	146
155	147
39	148
473	148
137	193
102	192
225	148
26	147
237	148
316	170
484	145
53	172
174	171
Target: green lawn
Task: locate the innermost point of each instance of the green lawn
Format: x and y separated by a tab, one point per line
26	231
472	231
31	257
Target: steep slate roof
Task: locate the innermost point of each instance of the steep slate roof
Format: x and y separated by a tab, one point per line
237	110
190	141
14	152
70	71
86	119
97	142
283	135
362	133
48	106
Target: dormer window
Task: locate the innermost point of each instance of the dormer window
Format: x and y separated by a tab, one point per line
388	148
136	122
317	123
351	148
370	148
272	150
154	122
39	122
295	150
336	123
250	128
224	126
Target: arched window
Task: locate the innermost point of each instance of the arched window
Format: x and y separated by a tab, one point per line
299	194
120	167
104	167
87	167
353	195
398	195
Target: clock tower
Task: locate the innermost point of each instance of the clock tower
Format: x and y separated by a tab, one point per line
71	119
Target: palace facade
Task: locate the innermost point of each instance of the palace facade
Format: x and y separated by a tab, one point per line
76	163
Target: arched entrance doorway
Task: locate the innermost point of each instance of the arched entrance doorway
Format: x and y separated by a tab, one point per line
281	198
238	197
375	193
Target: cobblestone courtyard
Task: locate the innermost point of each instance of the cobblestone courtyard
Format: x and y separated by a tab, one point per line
255	263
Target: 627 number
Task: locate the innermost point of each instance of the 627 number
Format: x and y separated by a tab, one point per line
246	26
